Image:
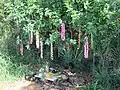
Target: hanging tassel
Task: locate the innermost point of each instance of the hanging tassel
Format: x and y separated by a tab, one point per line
92	41
37	39
41	49
79	37
18	40
31	37
17	43
21	49
62	31
86	47
51	50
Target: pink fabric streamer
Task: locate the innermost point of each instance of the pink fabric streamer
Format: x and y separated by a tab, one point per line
86	48
41	49
51	50
37	40
21	49
62	31
31	37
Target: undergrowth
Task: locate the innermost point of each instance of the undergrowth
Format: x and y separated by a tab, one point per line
10	71
106	75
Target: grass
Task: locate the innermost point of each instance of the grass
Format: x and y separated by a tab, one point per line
106	73
10	71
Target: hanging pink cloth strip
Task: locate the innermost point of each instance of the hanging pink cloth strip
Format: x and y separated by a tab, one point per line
21	49
37	40
41	49
86	48
31	37
62	31
51	50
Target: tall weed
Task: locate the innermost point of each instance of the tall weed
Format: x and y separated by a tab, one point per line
10	70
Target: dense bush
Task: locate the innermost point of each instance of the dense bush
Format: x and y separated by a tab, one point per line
97	19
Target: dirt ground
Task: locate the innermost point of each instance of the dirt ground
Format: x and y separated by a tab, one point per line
17	85
27	85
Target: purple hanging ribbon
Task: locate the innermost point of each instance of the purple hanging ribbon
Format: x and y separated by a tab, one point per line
62	31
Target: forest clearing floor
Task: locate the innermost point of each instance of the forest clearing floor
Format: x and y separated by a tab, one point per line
82	80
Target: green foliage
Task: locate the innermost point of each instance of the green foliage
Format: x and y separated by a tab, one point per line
92	17
54	37
98	19
92	86
10	70
105	72
72	58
